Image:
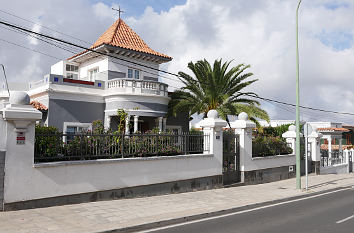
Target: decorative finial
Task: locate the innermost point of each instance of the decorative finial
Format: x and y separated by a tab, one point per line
119	10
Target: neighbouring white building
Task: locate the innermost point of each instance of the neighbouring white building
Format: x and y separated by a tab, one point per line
120	71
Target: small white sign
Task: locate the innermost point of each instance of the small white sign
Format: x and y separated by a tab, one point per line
291	168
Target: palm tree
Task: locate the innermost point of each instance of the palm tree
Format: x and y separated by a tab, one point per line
218	88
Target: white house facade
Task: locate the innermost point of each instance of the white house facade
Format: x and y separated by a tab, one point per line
120	71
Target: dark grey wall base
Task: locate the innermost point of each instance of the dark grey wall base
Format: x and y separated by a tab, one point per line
2	176
315	167
268	175
138	191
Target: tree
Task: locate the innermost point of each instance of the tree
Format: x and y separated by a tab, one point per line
218	88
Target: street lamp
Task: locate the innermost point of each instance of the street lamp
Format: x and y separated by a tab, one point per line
298	170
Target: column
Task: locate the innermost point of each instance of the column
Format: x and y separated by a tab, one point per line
136	120
329	139
17	137
212	128
314	138
160	123
107	122
340	145
243	127
164	123
127	121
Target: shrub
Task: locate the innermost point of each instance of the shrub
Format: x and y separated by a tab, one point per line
269	146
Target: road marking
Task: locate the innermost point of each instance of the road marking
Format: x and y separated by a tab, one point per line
244	211
345	219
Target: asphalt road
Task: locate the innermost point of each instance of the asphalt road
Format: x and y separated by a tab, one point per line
330	213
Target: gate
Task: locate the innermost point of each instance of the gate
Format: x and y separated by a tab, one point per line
231	158
350	162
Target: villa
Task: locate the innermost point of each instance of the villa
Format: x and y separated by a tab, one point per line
119	71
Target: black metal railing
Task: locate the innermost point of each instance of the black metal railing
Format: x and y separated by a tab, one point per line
67	147
336	157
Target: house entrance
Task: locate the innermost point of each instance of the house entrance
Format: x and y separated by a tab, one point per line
231	173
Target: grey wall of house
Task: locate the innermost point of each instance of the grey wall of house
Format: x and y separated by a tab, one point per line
138	105
61	111
182	119
2	176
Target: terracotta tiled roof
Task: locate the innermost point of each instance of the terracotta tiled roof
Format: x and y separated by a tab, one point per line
38	106
122	36
333	129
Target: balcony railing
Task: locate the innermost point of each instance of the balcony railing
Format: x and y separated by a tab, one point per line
118	85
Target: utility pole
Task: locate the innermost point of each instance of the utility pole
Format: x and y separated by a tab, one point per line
298	161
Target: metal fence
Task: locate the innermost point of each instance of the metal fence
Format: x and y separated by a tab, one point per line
335	157
66	147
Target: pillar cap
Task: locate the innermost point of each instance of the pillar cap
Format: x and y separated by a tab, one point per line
19	97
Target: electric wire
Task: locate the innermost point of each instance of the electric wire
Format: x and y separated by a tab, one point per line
153	68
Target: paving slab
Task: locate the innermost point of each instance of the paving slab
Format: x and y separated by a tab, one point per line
116	214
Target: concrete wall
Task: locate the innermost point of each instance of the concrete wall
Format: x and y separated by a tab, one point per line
61	111
335	169
260	163
101	63
27	182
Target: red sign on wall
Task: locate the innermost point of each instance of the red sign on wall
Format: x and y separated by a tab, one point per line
21	138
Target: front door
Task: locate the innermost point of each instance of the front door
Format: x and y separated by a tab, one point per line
231	158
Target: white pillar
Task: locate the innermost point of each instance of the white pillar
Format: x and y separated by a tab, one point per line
164	123
127	121
315	140
160	124
212	126
136	120
329	147
243	127
290	137
107	122
17	137
340	145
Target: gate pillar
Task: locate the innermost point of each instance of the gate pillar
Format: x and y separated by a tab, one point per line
213	126
243	127
314	138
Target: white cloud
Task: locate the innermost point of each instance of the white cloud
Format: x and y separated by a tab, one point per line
257	32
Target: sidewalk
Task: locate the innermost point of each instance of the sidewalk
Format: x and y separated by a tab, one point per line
108	215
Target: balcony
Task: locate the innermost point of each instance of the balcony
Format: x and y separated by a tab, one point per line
111	87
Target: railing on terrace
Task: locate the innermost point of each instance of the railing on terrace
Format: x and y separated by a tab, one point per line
68	147
336	157
133	85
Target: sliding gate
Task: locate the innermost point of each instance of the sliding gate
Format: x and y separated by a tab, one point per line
231	158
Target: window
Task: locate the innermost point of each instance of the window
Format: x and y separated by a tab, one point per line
72	76
73	128
72	68
137	74
92	74
130	73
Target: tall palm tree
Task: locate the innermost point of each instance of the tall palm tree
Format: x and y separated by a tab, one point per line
218	88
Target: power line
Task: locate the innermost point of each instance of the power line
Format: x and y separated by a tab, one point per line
41	25
33	50
152	68
304	107
82	47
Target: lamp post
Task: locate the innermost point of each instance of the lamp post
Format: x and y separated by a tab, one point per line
298	170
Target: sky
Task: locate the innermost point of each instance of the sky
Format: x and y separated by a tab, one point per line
258	32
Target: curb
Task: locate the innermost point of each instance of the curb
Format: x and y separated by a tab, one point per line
149	226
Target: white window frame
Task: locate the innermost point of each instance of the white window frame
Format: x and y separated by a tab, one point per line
92	78
171	127
75	124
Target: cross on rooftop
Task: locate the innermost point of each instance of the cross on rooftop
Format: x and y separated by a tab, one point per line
119	10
